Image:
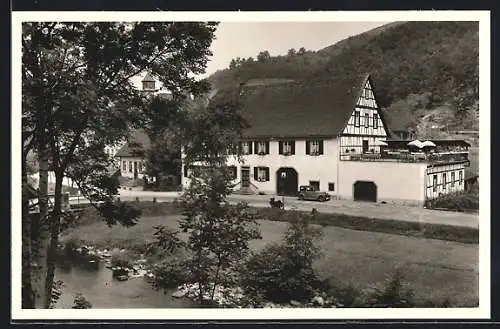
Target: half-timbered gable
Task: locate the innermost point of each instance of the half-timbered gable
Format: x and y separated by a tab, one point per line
365	126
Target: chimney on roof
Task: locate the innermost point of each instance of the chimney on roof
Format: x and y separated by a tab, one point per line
148	83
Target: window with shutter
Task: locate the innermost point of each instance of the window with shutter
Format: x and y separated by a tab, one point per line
321	150
261	148
256	173
367	120
452	182
262	174
375	121
444	181
124	165
314	147
460	177
308	147
280	147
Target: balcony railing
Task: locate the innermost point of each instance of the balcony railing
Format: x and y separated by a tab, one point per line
409	157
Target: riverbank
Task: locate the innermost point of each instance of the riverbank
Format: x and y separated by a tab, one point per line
434	269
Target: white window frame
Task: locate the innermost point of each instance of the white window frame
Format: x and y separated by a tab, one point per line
287	147
245	147
261	174
314	147
261	147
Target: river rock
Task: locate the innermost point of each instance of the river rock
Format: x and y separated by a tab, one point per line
179	294
122	277
318	300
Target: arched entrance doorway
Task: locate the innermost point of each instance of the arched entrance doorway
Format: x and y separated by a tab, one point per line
287	180
365	191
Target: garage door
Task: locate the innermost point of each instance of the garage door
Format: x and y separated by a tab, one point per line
365	191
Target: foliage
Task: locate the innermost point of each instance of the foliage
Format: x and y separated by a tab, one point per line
284	272
391	293
467	235
78	97
167	119
218	234
80	302
459	201
121	259
57	290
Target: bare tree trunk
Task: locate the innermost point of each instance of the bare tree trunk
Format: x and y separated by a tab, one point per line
55	220
27	291
40	225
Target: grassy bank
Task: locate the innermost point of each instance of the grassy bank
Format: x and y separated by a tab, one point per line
410	229
434	269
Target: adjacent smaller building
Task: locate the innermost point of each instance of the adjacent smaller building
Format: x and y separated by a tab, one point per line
131	156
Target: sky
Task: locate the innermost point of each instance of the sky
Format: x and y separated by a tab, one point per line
247	39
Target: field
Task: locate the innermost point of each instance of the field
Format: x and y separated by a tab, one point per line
435	269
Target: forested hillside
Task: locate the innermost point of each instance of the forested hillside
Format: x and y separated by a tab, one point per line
425	73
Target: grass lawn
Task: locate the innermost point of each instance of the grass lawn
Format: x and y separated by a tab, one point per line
434	269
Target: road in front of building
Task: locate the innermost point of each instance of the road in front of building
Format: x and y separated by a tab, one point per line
347	207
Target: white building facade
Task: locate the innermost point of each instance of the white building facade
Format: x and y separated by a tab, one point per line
348	152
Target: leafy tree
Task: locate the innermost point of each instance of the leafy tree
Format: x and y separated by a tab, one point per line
284	272
302	51
263	56
291	52
77	98
232	64
166	119
218	233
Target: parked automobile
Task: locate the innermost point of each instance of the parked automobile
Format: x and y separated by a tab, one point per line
307	192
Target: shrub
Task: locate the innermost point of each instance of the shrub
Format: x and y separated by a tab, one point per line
460	201
121	259
284	272
391	293
169	274
80	302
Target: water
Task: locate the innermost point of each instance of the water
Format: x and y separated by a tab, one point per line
102	291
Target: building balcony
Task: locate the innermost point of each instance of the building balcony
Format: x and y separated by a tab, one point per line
409	157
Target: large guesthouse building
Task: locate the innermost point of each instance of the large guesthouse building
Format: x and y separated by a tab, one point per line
332	135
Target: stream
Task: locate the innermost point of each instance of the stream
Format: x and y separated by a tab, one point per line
102	291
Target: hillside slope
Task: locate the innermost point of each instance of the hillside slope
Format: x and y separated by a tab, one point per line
416	67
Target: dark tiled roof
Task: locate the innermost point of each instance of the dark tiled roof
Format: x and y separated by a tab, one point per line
137	143
298	109
149	77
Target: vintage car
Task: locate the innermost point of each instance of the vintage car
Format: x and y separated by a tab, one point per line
307	192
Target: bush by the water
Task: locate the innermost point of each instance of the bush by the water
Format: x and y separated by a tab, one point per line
121	258
459	201
80	302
